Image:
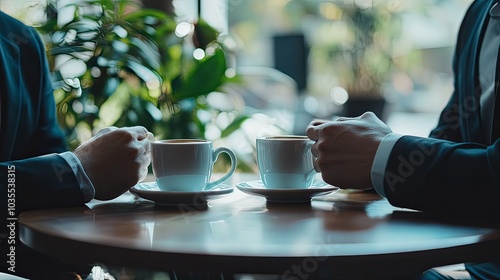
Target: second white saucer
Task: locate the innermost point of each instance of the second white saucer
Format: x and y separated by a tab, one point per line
256	187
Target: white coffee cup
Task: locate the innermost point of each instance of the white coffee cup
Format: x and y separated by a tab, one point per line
285	162
185	165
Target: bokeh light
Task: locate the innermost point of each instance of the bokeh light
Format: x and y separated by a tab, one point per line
199	54
182	29
339	95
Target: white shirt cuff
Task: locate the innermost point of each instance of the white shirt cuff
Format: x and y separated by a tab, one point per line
380	161
83	180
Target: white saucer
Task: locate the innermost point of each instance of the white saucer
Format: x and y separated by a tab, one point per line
150	190
256	187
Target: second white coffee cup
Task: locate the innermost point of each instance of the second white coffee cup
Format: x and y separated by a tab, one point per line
185	165
285	162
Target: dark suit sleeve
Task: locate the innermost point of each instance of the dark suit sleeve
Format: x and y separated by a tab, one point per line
444	177
39	183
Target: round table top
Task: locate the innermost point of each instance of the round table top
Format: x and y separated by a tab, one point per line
347	234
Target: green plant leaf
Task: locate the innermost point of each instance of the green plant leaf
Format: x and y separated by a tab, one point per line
68	50
139	15
205	76
204	34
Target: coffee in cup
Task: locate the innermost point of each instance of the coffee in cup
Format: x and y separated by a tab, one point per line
185	165
285	162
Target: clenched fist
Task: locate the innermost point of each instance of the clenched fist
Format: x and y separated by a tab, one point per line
345	149
116	159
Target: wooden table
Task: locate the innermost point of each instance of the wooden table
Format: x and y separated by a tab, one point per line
345	235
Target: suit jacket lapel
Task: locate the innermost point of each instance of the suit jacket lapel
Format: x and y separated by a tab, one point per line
11	94
495	133
473	129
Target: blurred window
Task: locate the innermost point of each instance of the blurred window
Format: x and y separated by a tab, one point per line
417	38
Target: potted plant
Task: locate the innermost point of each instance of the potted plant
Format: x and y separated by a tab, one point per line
363	59
137	68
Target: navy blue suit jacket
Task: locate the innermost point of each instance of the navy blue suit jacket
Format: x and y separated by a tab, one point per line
32	175
454	169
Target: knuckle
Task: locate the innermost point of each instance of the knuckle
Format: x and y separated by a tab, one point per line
331	129
125	135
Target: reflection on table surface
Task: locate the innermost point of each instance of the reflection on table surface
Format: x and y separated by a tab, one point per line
242	233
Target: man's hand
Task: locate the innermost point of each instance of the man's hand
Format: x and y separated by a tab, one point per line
345	149
116	159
